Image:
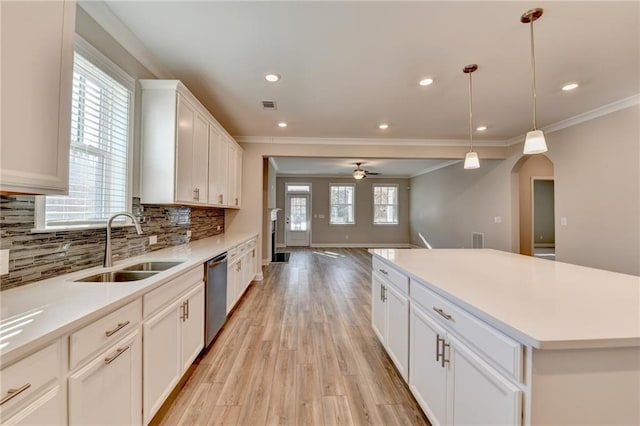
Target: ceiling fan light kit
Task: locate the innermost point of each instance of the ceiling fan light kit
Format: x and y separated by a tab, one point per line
471	160
358	173
534	142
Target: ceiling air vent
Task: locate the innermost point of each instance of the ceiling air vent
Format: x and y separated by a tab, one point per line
269	105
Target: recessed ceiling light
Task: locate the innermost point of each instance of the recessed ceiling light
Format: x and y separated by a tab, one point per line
272	78
426	82
383	126
282	124
569	86
481	128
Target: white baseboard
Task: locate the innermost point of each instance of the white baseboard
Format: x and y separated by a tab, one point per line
361	245
266	262
280	245
259	277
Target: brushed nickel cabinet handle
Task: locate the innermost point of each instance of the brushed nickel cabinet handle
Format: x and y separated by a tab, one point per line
438	340
182	312
442	313
12	393
221	198
444	360
187	309
119	351
119	327
383	271
384	293
381	290
236	201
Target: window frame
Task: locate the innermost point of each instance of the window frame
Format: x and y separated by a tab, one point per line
352	185
373	203
106	65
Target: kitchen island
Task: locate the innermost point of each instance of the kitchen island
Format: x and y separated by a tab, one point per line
495	337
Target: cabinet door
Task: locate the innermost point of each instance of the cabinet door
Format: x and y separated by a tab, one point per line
161	364
192	326
49	409
217	168
107	390
397	338
233	174
427	377
238	196
378	308
184	151
200	164
478	393
37	70
231	285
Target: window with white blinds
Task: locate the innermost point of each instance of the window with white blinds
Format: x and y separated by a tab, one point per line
342	204
99	151
385	204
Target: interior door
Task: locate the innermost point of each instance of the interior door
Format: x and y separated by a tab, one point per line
297	220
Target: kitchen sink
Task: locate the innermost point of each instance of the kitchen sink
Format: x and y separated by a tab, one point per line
151	266
117	276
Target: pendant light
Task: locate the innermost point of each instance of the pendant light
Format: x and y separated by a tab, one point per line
534	142
471	160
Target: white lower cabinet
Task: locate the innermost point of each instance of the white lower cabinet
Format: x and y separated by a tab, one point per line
452	384
173	338
33	390
106	391
241	271
390	320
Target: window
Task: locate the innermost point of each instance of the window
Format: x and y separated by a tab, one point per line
385	204
99	160
342	204
298	187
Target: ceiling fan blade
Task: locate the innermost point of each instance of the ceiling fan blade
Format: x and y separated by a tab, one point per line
372	173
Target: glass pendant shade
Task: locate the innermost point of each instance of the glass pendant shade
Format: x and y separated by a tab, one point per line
359	174
471	160
534	143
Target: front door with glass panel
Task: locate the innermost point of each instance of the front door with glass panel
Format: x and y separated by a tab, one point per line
297	220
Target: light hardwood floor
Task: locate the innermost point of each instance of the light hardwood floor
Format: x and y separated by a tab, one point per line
299	350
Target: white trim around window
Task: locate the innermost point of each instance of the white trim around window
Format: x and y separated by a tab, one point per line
105	66
385	204
343	211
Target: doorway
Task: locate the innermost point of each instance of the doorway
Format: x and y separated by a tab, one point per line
297	232
542	210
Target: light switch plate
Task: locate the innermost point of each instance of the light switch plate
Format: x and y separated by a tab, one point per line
189	233
563	221
153	239
4	262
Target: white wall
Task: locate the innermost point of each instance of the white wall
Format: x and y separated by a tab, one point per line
597	189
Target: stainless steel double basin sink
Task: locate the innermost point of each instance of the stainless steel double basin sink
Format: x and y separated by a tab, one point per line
136	272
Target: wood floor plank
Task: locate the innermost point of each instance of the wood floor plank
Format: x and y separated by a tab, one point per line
225	415
308	396
282	405
239	375
336	411
327	361
363	408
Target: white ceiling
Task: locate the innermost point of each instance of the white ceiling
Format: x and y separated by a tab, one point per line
344	166
347	66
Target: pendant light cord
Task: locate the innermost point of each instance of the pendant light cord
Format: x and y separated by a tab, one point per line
533	78
470	112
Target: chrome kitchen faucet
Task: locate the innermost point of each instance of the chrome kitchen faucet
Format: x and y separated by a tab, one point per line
108	262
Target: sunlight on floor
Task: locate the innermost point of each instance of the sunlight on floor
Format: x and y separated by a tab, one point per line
328	254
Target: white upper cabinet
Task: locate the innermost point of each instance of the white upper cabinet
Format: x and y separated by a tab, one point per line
37	70
186	155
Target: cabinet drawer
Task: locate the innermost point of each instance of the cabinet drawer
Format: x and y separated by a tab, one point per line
28	377
105	331
396	278
496	347
169	292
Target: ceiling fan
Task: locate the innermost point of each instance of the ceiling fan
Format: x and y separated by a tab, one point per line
359	173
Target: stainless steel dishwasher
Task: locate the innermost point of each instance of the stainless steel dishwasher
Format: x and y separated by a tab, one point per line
215	296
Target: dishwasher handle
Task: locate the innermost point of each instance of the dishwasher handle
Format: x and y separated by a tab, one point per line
217	260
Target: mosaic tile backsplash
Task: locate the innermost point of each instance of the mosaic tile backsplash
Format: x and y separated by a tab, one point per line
38	256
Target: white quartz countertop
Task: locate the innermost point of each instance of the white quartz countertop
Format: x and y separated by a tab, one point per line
542	303
34	314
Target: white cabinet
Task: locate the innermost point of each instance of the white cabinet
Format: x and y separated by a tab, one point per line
173	336
450	381
32	389
107	390
37	71
192	150
390	314
187	157
241	271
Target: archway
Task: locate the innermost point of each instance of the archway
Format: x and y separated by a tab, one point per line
531	235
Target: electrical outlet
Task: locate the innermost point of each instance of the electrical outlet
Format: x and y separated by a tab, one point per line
4	262
563	221
188	232
153	239
346	237
497	219
218	228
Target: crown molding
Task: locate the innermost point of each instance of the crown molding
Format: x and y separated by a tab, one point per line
363	141
103	15
585	116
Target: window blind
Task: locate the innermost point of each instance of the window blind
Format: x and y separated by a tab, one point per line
98	163
385	204
342	199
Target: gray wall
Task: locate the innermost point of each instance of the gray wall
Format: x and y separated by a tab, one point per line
363	232
525	169
543	212
597	189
